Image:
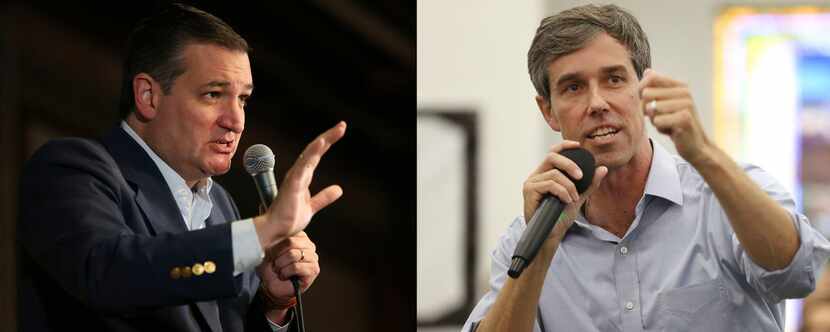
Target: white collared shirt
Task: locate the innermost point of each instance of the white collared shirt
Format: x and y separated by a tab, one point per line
195	206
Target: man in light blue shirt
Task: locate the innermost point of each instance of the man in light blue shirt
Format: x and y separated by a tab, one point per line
657	242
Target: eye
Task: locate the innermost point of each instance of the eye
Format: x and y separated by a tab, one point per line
614	80
243	100
573	87
213	95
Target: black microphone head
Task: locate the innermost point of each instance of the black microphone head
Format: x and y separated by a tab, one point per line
585	161
259	158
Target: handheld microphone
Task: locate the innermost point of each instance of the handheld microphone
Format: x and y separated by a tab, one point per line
259	162
548	213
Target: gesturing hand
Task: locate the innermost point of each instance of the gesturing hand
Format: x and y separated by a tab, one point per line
292	209
669	105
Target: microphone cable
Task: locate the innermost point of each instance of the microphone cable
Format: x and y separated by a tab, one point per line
298	309
259	163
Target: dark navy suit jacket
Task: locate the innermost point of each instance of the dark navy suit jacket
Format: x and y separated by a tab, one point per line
99	233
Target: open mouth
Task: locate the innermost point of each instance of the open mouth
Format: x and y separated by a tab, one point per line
223	145
603	133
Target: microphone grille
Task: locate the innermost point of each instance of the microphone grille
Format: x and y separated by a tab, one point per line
259	158
585	161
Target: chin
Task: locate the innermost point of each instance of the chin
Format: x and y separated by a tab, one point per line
217	168
611	160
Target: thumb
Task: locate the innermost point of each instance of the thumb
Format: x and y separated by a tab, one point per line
325	197
599	174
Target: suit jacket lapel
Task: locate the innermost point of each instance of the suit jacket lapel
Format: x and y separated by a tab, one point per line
154	198
153	195
210	309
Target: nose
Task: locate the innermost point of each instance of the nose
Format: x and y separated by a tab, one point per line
233	118
597	102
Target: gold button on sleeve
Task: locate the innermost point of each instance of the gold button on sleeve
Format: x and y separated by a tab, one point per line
186	273
198	269
175	273
210	267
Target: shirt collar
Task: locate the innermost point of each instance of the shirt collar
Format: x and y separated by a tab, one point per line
663	179
177	184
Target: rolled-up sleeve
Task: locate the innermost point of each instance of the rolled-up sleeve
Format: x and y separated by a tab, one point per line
798	279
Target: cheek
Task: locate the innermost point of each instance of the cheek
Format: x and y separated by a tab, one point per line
629	101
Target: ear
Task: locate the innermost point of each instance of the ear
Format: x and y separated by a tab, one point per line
146	92
547	113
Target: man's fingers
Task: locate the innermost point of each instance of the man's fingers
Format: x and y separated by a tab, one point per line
653	79
325	197
302	171
307	280
650	94
559	178
298	241
668	123
669	106
599	174
554	160
295	256
552	188
324	141
300	270
566	144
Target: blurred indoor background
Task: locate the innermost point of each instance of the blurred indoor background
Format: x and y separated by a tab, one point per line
759	72
314	63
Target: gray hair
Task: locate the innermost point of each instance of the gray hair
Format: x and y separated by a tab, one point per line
570	30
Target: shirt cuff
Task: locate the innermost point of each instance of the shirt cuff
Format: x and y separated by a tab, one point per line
276	327
797	279
247	252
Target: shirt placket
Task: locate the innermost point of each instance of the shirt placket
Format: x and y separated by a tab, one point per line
627	281
185	199
201	209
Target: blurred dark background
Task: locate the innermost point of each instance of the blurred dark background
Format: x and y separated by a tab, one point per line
314	63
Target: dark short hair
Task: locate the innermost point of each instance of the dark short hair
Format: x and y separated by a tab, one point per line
155	46
572	29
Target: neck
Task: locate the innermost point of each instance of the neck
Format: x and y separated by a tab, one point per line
612	205
141	129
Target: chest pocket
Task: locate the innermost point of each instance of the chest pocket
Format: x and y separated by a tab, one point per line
707	306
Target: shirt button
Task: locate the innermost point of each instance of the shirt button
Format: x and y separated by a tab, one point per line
629	306
624	250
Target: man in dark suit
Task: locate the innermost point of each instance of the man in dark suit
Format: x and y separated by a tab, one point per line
130	233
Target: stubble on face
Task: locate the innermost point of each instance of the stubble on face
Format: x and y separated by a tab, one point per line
595	101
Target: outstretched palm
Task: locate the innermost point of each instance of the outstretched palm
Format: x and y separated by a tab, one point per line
294	206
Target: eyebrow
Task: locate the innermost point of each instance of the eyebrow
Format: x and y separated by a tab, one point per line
612	69
576	76
567	78
222	84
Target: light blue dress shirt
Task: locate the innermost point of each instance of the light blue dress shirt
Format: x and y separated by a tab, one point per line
679	267
195	206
